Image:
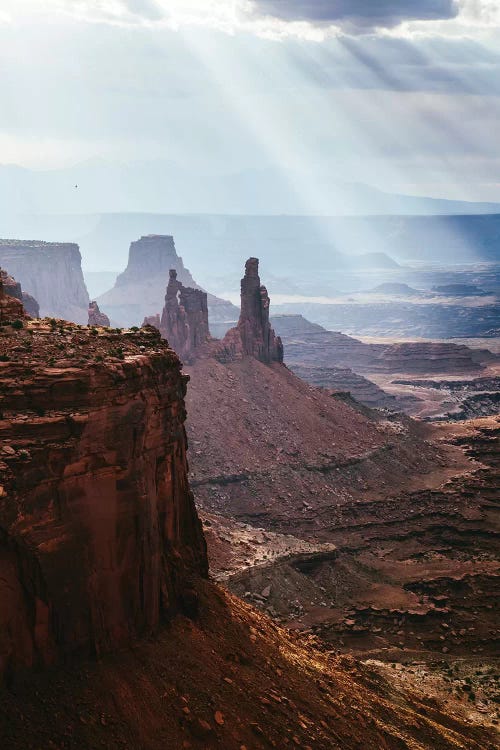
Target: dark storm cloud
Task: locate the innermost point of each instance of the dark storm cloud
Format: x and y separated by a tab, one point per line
363	14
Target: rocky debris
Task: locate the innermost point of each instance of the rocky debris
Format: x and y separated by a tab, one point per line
405	575
233	679
96	317
99	534
184	320
458	398
400	503
476	405
139	291
52	273
236	547
253	336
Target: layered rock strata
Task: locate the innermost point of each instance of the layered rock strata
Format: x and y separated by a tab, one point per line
52	273
99	536
253	336
96	317
309	344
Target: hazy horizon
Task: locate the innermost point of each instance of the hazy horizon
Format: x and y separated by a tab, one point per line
405	100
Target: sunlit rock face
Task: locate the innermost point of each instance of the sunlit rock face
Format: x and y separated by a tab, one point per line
52	273
99	536
253	336
96	317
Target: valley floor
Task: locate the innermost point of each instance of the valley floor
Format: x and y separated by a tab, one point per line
392	556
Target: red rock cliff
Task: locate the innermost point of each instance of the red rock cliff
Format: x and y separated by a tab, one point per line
184	320
253	336
99	536
13	288
11	306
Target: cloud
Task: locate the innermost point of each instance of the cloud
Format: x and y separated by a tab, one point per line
281	19
358	14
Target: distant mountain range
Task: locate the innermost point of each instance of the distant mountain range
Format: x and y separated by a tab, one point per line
98	186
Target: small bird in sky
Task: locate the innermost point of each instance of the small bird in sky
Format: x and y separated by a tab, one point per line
76	186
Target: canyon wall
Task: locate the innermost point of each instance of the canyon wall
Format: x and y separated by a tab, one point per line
52	273
99	536
253	336
312	345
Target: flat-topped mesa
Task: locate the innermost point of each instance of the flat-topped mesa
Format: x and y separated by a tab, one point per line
152	320
152	256
96	317
253	335
11	299
184	320
52	272
99	535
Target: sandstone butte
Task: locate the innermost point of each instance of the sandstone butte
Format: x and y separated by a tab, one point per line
100	545
184	319
184	323
11	305
96	317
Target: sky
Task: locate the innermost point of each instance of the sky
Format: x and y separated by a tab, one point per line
403	95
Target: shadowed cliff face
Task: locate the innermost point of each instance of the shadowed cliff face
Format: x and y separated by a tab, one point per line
99	536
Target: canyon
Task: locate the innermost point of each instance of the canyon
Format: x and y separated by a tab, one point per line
389	374
101	545
350	523
349	528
